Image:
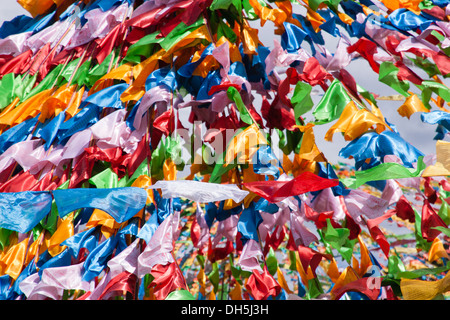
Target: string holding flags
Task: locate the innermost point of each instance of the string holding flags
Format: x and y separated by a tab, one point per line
164	149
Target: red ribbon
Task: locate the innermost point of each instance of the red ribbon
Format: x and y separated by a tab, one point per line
360	285
167	278
430	219
404	210
123	282
276	191
311	258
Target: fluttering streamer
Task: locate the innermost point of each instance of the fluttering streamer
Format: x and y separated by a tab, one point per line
165	149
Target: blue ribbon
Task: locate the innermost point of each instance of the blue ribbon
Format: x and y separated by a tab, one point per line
22	211
292	38
248	224
17	133
163	76
406	20
373	145
87	239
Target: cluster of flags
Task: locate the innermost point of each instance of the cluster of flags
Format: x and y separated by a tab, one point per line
98	202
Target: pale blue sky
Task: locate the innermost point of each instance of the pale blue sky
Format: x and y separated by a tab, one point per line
10	9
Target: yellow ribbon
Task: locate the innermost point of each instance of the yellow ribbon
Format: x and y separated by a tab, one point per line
354	122
277	16
27	109
437	251
123	73
412	105
442	165
236	293
282	281
347	276
13	260
412	5
308	149
243	145
64	231
365	262
36	7
103	219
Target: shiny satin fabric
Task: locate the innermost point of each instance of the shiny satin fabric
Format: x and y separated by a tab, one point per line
430	220
121	203
437	117
413	289
359	285
248	224
406	20
442	165
35	7
372	145
276	191
354	122
277	16
411	105
167	278
262	285
384	171
292	38
12	261
27	109
64	231
123	282
34	206
332	103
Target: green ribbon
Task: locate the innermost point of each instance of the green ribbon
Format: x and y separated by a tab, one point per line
53	77
249	10
142	48
444	211
142	170
301	99
81	73
420	241
272	262
99	70
444	230
423	272
214	276
12	87
105	179
7	86
180	295
221	4
314	4
338	239
388	75
395	266
170	147
234	95
314	289
223	30
220	169
178	33
429	87
4	237
332	104
430	68
384	171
